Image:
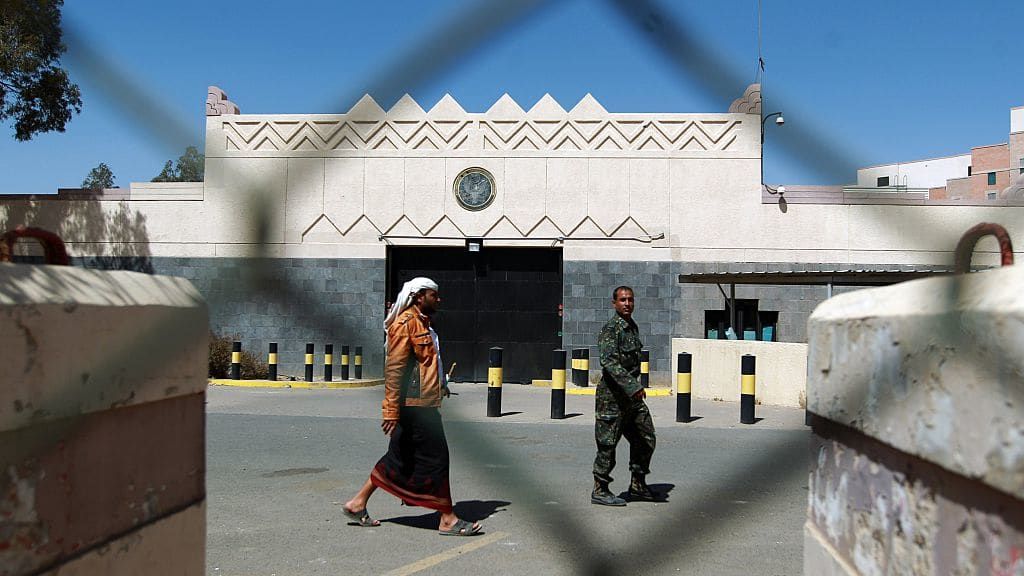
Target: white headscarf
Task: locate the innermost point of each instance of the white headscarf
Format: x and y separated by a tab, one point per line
404	298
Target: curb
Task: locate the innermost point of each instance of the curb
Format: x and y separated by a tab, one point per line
591	390
365	383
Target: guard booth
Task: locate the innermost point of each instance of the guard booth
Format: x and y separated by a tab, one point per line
747	316
506	297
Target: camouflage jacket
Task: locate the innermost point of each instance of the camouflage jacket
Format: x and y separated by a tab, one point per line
619	345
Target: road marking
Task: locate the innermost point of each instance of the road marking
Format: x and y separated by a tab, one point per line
474	543
365	383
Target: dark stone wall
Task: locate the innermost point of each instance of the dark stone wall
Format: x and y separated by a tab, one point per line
341	301
290	301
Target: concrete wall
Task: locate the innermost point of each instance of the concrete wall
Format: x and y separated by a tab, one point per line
102	422
327	186
917	465
781	369
320	190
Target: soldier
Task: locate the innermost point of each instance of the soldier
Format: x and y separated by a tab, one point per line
620	408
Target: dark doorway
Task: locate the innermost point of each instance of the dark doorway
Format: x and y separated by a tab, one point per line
505	297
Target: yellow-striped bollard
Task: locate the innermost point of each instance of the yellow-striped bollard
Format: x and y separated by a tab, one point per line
328	362
344	362
272	362
309	362
645	368
558	385
683	383
581	367
494	383
359	363
236	360
747	386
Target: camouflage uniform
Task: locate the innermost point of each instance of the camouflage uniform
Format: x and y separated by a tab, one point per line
617	412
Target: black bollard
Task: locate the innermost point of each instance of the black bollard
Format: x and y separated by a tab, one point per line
328	362
747	387
236	360
585	368
558	385
359	363
344	362
309	362
645	368
683	383
272	362
580	367
494	383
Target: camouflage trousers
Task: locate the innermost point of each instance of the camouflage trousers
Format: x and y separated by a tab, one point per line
636	425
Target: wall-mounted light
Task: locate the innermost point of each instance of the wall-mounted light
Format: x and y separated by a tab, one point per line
779	121
474	244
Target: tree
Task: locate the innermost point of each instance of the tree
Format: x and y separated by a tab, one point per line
99	178
189	168
34	91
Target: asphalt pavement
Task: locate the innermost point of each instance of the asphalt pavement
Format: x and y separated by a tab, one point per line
281	462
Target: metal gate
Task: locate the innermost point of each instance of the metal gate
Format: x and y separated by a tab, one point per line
507	297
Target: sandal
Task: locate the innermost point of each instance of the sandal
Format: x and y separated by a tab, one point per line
461	528
362	518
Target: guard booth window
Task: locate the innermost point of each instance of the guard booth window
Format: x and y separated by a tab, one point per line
753	324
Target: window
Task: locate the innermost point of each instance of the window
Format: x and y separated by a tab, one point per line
969	170
755	324
883	181
991	178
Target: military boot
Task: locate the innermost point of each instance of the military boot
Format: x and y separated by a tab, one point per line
638	490
601	495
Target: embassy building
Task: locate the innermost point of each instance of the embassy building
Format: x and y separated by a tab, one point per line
307	224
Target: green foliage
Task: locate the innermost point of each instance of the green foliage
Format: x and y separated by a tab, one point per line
34	91
99	178
188	169
220	360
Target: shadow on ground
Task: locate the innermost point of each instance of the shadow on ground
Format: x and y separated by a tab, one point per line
469	510
660	492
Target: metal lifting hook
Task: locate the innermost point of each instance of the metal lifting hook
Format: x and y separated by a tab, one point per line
965	247
53	246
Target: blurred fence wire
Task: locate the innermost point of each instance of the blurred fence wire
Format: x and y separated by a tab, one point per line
439	50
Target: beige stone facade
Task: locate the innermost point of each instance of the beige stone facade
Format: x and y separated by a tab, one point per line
626	198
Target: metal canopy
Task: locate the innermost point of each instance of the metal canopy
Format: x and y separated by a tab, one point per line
837	278
810	274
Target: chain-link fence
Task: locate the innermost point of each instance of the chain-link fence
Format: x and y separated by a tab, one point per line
448	43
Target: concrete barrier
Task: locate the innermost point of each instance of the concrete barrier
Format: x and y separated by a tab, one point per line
917	405
781	369
102	419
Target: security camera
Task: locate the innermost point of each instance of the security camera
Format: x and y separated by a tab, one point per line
780	121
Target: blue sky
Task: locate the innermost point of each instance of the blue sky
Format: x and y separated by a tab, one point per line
874	81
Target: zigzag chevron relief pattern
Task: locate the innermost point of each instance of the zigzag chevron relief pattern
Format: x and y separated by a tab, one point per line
342	135
505	127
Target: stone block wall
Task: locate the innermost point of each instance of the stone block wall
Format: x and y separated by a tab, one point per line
293	301
290	301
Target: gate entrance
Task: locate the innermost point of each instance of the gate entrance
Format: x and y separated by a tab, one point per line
506	297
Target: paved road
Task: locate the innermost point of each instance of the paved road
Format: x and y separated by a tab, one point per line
281	463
